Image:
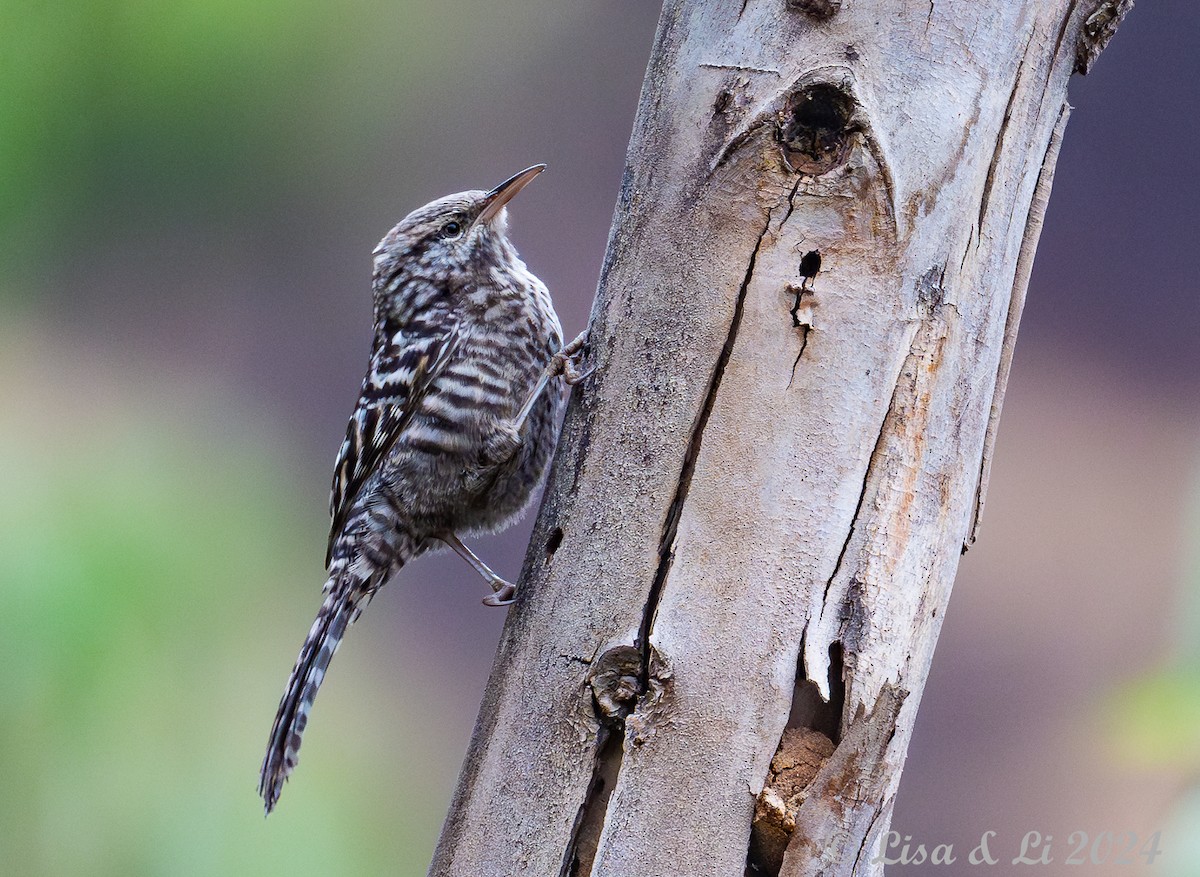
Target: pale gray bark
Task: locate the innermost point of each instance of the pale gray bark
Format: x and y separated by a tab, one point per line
753	524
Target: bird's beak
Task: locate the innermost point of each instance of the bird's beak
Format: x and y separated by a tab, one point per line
495	200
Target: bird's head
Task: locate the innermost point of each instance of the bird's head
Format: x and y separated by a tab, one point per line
448	238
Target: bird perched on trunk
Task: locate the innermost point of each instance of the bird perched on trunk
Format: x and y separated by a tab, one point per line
454	426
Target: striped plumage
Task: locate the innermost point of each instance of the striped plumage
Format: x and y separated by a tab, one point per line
463	332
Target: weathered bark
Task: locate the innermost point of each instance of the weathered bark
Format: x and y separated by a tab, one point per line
757	510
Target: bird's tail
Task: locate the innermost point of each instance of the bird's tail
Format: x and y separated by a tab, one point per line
346	596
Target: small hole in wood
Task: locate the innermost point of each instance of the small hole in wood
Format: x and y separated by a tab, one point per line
816	128
809	710
816	8
808	741
555	540
721	104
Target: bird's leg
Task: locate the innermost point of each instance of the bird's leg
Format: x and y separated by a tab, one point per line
505	591
570	369
561	363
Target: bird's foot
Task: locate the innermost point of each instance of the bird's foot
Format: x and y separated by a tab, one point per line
506	592
569	361
572	375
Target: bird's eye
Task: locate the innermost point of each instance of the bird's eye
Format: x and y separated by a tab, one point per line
452	229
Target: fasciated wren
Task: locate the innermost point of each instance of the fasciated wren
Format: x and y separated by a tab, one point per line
454	425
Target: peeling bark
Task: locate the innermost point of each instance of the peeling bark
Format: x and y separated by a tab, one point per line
756	512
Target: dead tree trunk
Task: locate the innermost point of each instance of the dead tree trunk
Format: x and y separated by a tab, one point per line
760	498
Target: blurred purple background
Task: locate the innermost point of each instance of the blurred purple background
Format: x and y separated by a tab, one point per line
193	196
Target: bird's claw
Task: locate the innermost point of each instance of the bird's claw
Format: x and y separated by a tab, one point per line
567	361
576	344
506	592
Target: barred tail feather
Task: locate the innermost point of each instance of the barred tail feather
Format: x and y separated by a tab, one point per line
346	596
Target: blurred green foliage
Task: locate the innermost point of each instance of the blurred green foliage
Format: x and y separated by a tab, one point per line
153	597
1155	719
1152	722
108	107
156	577
112	111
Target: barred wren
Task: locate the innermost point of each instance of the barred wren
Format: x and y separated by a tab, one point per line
453	429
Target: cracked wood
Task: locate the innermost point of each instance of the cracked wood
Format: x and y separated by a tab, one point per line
736	496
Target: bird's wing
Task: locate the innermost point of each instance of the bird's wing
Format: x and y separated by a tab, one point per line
402	369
